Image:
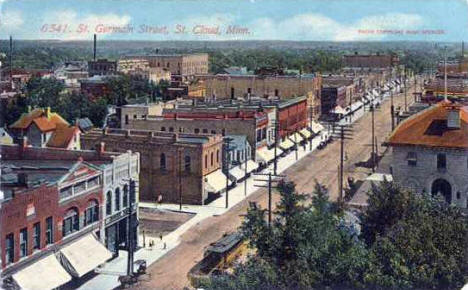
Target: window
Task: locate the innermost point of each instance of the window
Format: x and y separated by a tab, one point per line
135	117
458	195
206	161
92	212
108	203
49	231
197	130
205	131
9	249
70	222
181	129
212	158
66	192
223	132
125	196
93	182
162	162
217	156
441	161
37	236
187	163
168	65
412	159
249	90
163	129
117	199
263	133
259	135
126	119
23	242
276	92
79	187
213	131
171	129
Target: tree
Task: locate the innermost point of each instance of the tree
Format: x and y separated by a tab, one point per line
44	92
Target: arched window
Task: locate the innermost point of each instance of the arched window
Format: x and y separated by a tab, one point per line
109	203
92	212
125	196
71	222
217	156
206	161
162	161
117	199
168	64
187	163
212	158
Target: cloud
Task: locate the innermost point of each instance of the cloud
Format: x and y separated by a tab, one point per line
10	19
76	23
318	27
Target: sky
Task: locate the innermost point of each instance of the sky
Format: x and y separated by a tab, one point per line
297	20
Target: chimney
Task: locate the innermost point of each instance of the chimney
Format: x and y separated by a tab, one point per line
100	148
453	117
94	48
22	179
23	144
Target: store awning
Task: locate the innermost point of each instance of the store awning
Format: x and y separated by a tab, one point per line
265	154
305	133
216	181
339	110
252	165
85	255
286	144
46	273
356	106
316	127
375	93
238	171
296	138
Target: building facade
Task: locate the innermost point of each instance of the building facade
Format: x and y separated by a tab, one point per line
173	167
177	64
102	67
429	152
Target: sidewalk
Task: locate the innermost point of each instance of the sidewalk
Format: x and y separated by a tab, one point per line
108	279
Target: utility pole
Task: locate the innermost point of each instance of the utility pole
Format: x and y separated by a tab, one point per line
406	102
131	229
295	141
227	142
180	178
344	133
275	160
94	47
392	110
373	137
246	158
270	186
311	116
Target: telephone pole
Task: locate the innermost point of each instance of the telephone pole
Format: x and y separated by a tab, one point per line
227	142
180	178
392	110
272	178
246	158
311	117
131	227
343	133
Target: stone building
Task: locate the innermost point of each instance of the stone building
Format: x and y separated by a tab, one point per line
430	152
177	64
284	87
173	166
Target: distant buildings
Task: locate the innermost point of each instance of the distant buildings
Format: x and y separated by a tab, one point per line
429	152
102	67
177	64
141	67
44	128
368	61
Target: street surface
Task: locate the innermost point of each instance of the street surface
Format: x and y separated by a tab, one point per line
170	271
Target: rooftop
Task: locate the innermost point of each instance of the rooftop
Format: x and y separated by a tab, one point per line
429	128
43	118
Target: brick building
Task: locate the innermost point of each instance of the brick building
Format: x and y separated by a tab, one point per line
429	152
177	64
284	87
167	161
371	61
102	67
142	68
52	213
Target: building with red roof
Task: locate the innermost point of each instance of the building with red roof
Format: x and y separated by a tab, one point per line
44	128
430	152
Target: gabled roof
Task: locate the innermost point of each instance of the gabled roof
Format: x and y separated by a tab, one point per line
43	118
63	136
428	128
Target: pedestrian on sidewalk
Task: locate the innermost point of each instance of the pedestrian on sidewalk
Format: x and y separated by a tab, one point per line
160	237
164	246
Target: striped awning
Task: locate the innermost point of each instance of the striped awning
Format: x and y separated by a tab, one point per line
216	181
316	127
296	138
46	273
251	166
286	144
265	154
238	172
305	133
